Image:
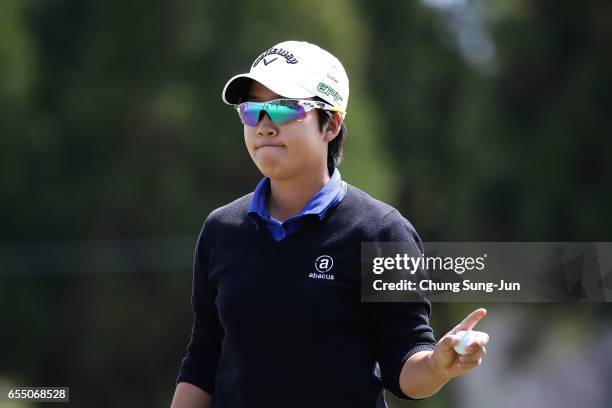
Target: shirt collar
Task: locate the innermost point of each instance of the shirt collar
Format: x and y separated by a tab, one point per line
328	196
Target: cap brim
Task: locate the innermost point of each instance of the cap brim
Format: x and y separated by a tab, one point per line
238	87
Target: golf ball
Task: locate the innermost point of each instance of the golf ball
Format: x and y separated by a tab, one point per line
465	336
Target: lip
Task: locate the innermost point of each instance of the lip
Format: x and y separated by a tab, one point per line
268	145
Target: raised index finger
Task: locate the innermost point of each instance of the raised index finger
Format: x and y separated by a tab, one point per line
471	320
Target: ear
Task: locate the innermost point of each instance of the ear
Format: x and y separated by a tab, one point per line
333	127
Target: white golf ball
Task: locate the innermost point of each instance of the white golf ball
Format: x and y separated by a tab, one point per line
465	336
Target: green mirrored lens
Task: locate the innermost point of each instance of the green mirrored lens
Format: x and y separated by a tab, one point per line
280	111
285	111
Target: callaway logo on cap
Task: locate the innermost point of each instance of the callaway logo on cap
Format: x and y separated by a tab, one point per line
294	69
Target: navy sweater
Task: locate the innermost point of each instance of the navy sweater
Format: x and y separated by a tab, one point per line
271	330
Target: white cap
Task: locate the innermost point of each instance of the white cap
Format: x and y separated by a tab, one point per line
294	69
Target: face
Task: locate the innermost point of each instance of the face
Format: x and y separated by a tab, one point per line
288	150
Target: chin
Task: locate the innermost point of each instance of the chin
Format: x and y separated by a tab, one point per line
275	169
269	164
273	172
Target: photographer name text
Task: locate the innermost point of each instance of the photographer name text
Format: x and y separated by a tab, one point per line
429	285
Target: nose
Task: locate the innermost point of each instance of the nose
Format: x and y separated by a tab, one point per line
266	126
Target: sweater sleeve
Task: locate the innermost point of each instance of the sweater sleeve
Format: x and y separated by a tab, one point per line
199	366
399	329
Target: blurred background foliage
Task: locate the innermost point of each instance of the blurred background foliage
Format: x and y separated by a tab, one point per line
478	120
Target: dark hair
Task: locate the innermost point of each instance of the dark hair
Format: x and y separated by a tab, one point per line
336	146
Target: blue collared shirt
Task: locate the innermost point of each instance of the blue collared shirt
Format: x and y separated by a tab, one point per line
326	198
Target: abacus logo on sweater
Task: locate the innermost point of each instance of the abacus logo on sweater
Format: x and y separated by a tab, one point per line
323	264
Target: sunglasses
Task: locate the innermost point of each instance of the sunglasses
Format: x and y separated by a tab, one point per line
280	110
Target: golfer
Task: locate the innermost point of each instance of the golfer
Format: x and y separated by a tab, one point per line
278	320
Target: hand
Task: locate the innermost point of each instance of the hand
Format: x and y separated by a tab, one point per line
451	364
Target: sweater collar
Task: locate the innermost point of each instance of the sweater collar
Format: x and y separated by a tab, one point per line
324	199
